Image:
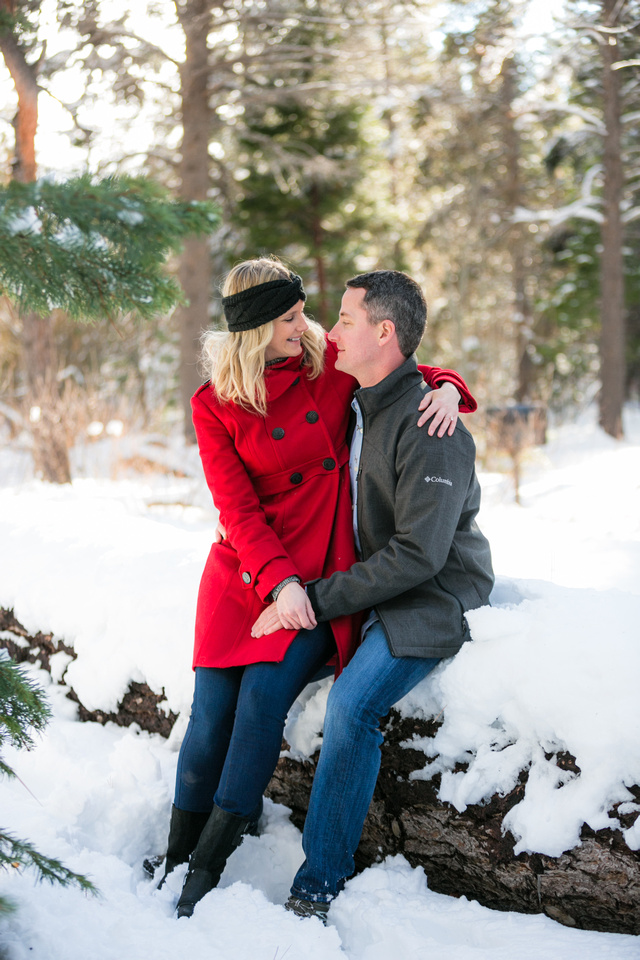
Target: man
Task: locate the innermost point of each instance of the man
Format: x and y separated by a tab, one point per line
424	564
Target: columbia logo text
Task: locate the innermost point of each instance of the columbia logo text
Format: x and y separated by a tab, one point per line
439	480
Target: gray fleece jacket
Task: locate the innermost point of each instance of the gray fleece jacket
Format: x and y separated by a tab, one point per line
425	561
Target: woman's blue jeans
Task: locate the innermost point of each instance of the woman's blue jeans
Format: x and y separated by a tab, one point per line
233	740
349	761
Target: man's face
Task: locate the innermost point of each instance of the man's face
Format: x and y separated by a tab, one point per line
355	338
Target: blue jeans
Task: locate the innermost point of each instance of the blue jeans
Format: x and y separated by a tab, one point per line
233	740
349	762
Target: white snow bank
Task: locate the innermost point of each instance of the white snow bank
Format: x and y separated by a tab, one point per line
100	802
120	589
550	668
389	912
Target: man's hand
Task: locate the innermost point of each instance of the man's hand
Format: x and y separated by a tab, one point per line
442	407
292	610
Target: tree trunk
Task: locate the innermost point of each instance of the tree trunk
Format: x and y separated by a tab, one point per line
195	263
50	453
25	121
522	313
390	82
612	336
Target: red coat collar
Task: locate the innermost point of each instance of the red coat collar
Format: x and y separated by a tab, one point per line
281	376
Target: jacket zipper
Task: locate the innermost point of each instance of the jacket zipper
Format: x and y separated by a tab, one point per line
359	474
358	512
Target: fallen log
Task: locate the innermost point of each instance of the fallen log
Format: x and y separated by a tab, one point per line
594	886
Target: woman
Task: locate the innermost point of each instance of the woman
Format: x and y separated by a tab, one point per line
271	427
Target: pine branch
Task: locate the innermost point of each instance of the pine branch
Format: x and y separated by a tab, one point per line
94	248
6	769
6	907
16	853
23	706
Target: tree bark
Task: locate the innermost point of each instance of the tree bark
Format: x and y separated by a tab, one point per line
25	122
195	262
612	336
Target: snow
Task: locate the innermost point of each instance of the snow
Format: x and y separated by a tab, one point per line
132	218
26	222
112	567
583	209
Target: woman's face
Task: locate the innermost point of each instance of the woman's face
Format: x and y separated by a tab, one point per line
287	331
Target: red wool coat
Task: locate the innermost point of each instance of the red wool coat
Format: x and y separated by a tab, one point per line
281	486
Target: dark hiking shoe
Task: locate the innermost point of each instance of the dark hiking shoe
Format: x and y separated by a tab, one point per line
308	908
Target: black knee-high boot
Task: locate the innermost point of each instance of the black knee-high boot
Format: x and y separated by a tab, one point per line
185	828
220	837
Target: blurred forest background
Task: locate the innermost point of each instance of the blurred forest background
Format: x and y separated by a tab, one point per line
491	148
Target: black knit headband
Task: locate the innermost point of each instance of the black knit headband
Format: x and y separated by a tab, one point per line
258	305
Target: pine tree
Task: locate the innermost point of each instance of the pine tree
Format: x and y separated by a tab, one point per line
95	249
478	162
300	199
23	711
599	146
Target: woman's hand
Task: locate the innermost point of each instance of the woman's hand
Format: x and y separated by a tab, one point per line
291	611
268	622
442	406
220	534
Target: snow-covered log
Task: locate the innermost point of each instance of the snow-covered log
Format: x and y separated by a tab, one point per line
593	886
139	704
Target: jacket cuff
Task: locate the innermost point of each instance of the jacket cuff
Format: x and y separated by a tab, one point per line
467	403
273	573
313	599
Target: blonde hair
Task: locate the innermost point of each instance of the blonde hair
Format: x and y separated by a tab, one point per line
235	362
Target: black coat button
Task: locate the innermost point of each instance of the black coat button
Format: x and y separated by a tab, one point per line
246	577
312	416
296	478
278	433
328	464
296	382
